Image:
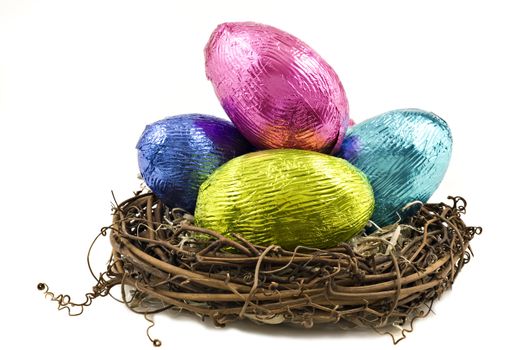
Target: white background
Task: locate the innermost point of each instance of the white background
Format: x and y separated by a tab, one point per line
80	80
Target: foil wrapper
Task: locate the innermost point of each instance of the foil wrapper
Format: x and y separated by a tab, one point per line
177	154
404	153
287	197
277	90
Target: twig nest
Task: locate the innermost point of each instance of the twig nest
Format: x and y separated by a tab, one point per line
386	279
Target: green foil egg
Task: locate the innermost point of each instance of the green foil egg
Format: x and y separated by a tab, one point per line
287	197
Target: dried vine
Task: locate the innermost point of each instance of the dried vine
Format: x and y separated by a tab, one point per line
384	281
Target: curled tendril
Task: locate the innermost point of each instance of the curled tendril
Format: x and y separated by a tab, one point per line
459	204
64	301
156	342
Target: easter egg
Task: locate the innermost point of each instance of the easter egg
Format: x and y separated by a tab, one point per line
404	153
287	197
276	90
178	153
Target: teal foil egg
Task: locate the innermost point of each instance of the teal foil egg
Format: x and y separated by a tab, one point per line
404	153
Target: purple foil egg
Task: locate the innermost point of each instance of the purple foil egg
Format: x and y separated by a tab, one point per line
177	154
277	91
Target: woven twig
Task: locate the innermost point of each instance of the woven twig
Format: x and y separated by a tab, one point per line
384	280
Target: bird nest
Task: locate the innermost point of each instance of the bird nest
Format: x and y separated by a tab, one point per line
384	280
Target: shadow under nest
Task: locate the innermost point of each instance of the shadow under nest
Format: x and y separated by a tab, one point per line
384	280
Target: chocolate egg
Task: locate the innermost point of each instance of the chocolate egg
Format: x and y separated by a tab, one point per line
276	90
287	197
404	153
178	153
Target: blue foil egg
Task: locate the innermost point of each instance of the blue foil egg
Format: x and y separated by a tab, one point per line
404	153
177	154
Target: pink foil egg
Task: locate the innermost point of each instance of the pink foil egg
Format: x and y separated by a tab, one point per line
277	91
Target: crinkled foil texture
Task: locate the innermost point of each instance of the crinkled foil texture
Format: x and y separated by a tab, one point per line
277	90
178	153
287	197
404	153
